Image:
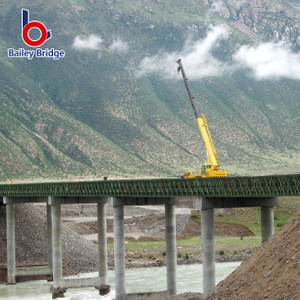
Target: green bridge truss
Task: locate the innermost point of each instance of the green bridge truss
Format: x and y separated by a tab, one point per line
277	185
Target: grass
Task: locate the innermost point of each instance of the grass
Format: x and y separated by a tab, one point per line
251	216
191	247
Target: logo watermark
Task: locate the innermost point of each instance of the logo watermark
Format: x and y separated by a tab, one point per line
45	35
27	26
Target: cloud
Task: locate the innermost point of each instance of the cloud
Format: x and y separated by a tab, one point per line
196	57
118	46
269	60
93	42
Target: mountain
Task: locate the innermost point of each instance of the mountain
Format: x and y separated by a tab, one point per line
115	105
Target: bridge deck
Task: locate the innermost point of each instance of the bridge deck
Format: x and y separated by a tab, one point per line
275	185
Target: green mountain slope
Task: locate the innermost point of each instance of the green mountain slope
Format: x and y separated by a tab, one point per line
88	114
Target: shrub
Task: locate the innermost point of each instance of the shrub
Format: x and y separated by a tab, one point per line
187	256
195	214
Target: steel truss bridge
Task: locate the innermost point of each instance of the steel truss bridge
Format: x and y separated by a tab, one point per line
257	186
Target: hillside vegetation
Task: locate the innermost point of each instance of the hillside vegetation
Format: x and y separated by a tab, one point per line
115	105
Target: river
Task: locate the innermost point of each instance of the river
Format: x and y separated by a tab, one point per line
189	278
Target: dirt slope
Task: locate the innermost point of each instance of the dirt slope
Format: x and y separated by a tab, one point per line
272	272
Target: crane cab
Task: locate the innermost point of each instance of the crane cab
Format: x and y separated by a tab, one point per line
208	171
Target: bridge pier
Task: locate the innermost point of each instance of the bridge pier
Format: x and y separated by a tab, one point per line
49	241
104	288
119	249
171	248
12	270
57	288
207	206
267	222
208	250
60	284
119	245
11	246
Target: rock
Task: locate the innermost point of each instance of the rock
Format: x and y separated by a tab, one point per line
57	292
103	289
268	275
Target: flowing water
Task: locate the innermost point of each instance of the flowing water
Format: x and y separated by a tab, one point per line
189	279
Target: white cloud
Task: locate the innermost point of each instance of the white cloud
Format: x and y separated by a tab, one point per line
196	57
93	42
118	46
269	60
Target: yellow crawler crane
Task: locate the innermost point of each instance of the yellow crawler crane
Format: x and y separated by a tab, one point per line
211	168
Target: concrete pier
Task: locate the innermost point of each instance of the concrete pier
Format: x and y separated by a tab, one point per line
119	245
49	239
11	247
12	271
171	249
119	249
208	250
60	284
102	249
207	206
267	222
57	290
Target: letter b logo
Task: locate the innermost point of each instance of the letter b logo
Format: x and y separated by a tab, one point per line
27	26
